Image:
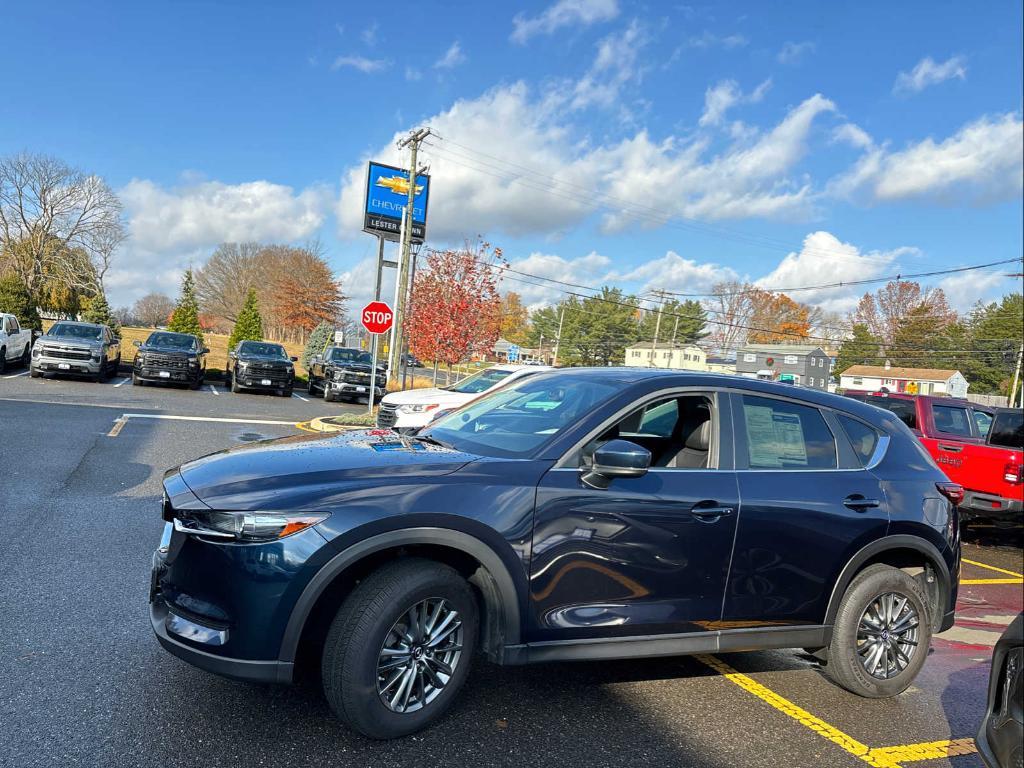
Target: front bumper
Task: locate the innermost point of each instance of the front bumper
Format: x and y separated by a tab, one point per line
173	375
45	364
348	389
976	504
390	417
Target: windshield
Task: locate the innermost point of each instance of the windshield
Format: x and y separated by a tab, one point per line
1007	430
517	419
350	356
480	382
262	348
70	330
171	341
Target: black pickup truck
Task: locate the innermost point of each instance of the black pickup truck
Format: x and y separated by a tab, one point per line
261	365
344	373
170	358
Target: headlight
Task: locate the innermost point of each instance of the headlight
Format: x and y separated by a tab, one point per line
339	375
420	408
97	353
193	362
246	526
243	364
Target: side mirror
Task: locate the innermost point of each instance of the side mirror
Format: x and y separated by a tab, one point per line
36	335
136	343
616	458
206	350
294	359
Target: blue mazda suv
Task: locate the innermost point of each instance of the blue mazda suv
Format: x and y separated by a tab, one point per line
575	514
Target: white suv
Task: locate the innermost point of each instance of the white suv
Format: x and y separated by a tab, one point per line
415	408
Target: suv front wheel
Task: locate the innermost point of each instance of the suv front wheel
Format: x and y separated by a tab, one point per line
400	648
881	634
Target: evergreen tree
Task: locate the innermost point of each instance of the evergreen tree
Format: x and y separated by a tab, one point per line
98	311
16	300
249	325
996	333
319	339
685	321
186	312
859	349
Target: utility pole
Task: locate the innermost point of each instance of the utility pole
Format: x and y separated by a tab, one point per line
412	141
657	327
558	339
1016	378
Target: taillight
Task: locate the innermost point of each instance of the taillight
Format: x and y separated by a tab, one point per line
1013	472
952	491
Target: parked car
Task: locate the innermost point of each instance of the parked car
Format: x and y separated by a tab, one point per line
170	358
1001	736
15	342
261	365
954	432
78	349
415	408
344	373
576	514
411	361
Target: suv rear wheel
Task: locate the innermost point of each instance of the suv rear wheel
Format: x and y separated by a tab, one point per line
400	648
881	634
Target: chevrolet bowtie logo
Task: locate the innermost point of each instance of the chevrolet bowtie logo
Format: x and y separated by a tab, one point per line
397	184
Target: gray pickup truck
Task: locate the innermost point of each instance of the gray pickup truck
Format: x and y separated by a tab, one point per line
78	349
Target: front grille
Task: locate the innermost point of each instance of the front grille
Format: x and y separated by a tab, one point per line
68	354
354	377
266	370
166	362
387	416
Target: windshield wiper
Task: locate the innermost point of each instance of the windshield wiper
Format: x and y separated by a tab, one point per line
432	440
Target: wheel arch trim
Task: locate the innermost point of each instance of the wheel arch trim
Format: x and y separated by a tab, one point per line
880	546
446	537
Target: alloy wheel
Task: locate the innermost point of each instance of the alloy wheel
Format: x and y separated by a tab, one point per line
887	635
419	655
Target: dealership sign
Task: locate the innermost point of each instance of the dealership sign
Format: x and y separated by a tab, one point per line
387	193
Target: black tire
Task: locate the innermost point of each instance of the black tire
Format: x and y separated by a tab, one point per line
101	374
26	356
234	384
33	373
136	381
358	633
286	392
311	385
3	359
328	396
845	666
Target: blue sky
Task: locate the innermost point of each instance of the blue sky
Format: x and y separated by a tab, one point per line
654	145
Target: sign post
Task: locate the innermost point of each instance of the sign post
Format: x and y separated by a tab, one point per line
377	318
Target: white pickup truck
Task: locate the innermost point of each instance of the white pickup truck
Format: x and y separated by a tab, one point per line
15	343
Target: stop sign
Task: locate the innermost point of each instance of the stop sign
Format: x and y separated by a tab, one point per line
377	317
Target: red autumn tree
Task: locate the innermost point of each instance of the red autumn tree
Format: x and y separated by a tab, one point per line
456	310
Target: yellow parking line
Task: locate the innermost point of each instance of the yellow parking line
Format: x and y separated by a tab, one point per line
118	426
993	568
880	757
992	581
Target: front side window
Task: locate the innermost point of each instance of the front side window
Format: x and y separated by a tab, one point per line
517	419
784	435
952	420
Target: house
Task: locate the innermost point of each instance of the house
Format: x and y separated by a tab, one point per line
802	364
667	354
918	381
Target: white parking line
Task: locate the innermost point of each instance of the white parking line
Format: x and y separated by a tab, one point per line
16	375
120	422
122	382
300	397
214	390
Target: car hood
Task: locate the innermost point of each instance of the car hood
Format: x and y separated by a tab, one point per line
428	397
71	341
285	473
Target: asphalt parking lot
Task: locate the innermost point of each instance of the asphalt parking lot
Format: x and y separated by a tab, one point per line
83	682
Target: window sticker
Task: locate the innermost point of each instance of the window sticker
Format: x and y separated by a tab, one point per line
774	439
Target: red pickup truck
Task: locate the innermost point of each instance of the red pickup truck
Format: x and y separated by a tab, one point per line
960	435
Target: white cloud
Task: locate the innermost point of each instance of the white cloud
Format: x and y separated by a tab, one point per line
451	58
672	272
979	164
823	260
929	72
360	282
852	134
791	52
369	34
590	270
412	74
563	13
965	289
544	177
721	97
710	40
170	228
614	66
363	64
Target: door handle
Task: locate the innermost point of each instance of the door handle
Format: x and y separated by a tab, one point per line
950	448
858	503
711	514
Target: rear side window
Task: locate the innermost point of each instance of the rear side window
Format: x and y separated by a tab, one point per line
904	410
783	435
863	438
952	420
1008	430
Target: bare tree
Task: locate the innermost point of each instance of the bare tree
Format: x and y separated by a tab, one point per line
153	309
224	281
730	309
51	214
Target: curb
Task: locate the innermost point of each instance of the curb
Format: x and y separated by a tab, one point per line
329	424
